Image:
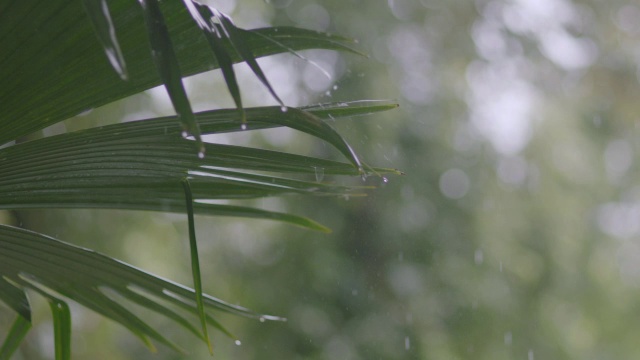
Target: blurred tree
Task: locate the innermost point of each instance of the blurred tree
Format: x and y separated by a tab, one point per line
514	233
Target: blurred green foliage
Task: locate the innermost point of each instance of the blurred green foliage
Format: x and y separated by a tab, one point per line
514	235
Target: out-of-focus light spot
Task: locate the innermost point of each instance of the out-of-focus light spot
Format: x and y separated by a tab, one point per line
279	137
320	75
340	347
225	6
508	338
533	16
619	219
409	48
415	216
512	170
489	40
280	4
628	257
313	16
618	158
405	280
567	51
627	19
403	9
501	106
478	257
417	89
572	161
311	320
454	183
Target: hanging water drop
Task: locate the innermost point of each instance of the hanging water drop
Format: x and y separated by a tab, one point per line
319	173
407	343
284	108
335	87
385	180
262	319
238	342
243	126
184	134
200	154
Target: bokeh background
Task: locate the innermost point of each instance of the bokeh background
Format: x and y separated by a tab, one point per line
515	233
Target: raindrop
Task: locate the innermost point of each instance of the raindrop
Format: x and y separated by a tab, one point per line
385	180
407	343
238	342
328	93
200	154
184	134
319	173
243	126
283	109
530	354
335	87
262	319
364	177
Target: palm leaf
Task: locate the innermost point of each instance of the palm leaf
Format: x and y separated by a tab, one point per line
34	260
53	67
49	55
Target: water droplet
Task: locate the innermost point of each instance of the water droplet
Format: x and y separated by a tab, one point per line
530	354
184	134
335	87
238	342
407	343
243	126
262	319
200	154
284	108
319	173
328	93
385	180
364	177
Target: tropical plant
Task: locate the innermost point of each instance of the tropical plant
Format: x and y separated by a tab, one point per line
54	67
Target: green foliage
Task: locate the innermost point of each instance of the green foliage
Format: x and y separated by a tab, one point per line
55	67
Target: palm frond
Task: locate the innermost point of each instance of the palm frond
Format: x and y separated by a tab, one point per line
53	67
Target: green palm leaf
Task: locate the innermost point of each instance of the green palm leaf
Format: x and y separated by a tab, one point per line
53	67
